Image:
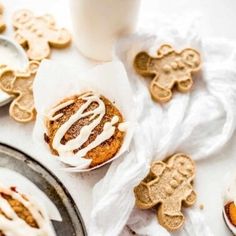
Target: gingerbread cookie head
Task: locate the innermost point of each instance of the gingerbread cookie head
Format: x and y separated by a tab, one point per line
2	23
37	34
20	84
168	69
168	186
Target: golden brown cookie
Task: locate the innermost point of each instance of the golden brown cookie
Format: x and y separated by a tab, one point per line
37	34
168	187
168	70
2	23
20	84
85	126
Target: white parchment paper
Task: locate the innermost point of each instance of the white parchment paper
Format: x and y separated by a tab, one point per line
198	123
55	82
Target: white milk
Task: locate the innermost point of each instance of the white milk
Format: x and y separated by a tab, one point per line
98	23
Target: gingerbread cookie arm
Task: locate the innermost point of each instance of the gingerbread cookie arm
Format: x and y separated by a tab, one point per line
49	19
7	79
146	65
59	38
143	200
191	58
164	50
190	199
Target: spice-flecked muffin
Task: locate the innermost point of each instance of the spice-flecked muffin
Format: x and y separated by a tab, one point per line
85	126
21	215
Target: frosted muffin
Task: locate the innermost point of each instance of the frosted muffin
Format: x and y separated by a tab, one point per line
21	215
84	126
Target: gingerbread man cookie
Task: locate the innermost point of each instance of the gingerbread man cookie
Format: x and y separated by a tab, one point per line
168	186
20	85
168	69
2	23
37	34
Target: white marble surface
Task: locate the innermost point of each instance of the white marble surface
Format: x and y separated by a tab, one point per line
218	19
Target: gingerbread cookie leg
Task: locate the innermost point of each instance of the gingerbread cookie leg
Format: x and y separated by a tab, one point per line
185	85
160	94
38	49
170	216
22	113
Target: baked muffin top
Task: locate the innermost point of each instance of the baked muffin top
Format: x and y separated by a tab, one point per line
22	215
84	126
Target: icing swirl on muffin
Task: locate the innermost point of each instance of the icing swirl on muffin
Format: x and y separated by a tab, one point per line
93	108
21	215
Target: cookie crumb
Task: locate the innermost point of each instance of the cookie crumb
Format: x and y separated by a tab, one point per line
201	207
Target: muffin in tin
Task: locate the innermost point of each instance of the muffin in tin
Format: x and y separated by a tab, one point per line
21	214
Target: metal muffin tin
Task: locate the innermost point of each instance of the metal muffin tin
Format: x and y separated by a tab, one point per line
72	223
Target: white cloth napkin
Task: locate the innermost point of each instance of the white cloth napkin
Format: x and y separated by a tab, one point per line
199	123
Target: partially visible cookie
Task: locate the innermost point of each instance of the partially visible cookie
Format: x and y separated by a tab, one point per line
38	34
168	70
20	84
168	187
229	214
229	202
2	23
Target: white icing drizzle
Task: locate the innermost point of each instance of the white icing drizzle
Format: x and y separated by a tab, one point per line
14	225
95	116
58	108
123	126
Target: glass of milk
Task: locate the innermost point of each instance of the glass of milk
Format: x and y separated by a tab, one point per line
99	23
